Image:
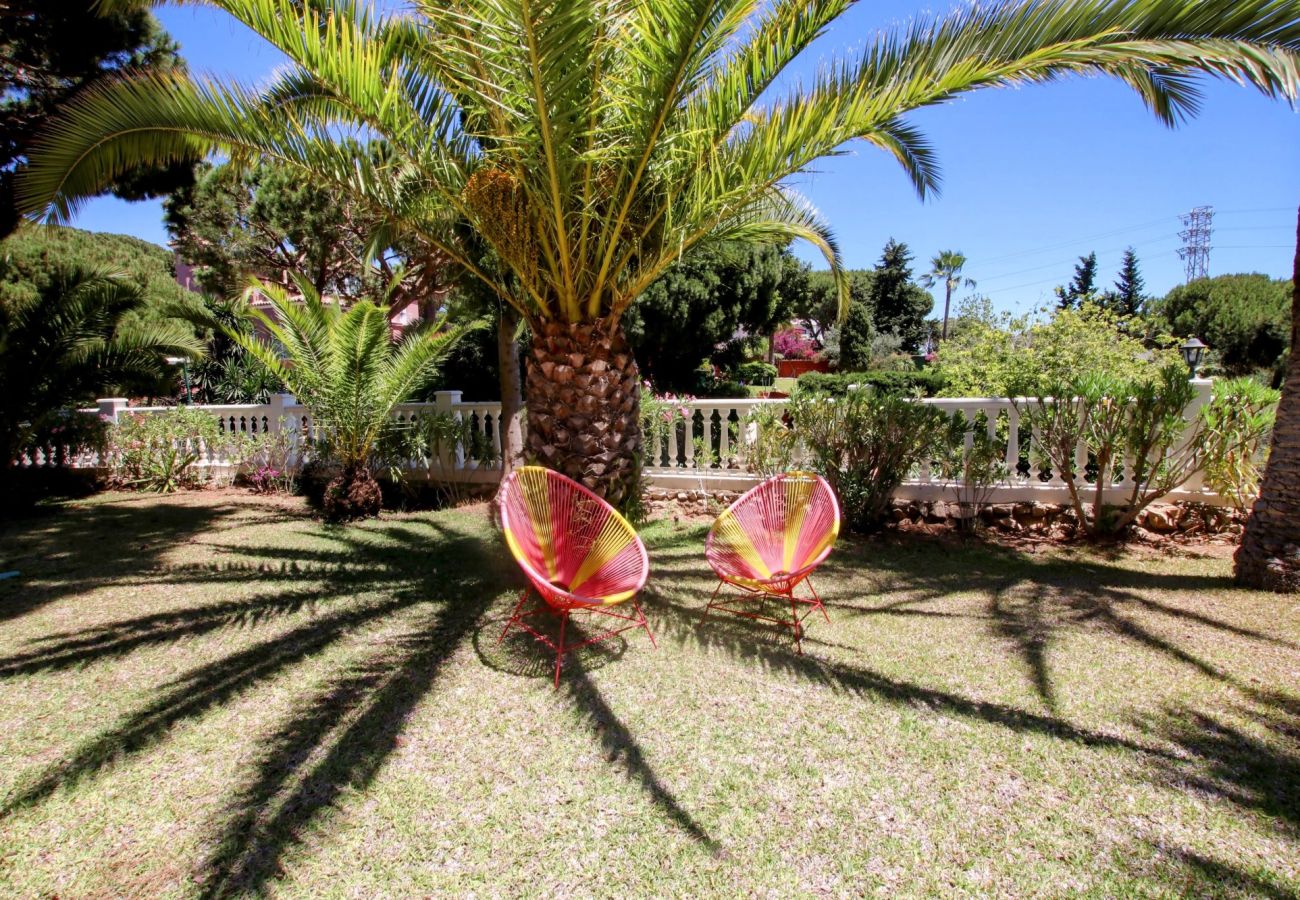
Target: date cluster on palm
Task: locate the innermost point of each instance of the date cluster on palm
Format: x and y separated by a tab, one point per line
583	398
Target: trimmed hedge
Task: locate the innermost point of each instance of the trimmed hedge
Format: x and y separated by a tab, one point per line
759	373
923	382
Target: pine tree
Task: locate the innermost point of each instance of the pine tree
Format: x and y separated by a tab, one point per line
898	305
1083	287
1127	298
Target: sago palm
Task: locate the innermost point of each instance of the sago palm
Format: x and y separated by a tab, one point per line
591	143
68	343
945	269
346	367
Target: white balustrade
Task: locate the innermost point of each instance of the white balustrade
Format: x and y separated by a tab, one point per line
703	450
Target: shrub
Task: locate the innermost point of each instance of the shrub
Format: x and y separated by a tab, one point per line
266	460
970	472
1026	357
428	439
1139	426
346	367
865	443
760	373
1237	424
161	451
917	383
791	344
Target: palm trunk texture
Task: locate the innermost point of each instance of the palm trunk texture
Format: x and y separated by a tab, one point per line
1269	555
583	400
512	434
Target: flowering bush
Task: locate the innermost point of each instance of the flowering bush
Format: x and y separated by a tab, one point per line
792	344
265	460
161	451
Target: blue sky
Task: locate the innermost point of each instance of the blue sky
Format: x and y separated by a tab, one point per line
1033	177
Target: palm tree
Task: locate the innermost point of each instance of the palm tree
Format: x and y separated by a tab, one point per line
591	143
72	341
946	268
1269	555
347	369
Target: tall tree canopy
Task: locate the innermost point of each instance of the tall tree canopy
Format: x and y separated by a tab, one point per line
51	51
1082	287
945	269
1129	297
33	259
593	142
1245	319
271	221
709	300
898	305
818	308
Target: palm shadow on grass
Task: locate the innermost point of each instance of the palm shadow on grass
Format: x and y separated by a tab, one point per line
431	583
61	551
1251	759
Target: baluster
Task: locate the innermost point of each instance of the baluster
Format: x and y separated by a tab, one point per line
1013	443
672	443
688	450
498	424
459	462
656	444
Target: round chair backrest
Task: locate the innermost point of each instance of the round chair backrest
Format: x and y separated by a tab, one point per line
570	542
786	524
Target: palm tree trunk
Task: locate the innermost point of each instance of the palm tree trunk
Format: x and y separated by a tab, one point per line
1269	555
583	399
947	299
512	432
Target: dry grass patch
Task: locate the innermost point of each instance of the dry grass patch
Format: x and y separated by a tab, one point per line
213	694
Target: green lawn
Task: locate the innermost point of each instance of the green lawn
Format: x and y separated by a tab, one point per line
214	694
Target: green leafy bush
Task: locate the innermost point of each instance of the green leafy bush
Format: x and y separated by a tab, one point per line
865	443
266	460
972	464
1025	356
1237	425
161	451
1139	428
917	383
759	373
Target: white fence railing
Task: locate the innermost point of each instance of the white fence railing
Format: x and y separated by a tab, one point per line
706	449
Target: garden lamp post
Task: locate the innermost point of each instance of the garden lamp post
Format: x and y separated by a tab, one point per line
185	375
1193	351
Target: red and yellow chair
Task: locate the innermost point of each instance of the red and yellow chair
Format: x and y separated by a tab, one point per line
577	552
768	542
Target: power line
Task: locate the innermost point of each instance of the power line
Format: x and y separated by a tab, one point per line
1058	263
1016	287
1073	242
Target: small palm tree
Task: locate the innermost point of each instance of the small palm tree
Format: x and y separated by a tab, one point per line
350	372
69	343
591	143
945	269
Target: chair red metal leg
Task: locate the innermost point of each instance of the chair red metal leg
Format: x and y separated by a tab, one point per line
514	616
818	598
708	608
645	624
559	655
798	631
